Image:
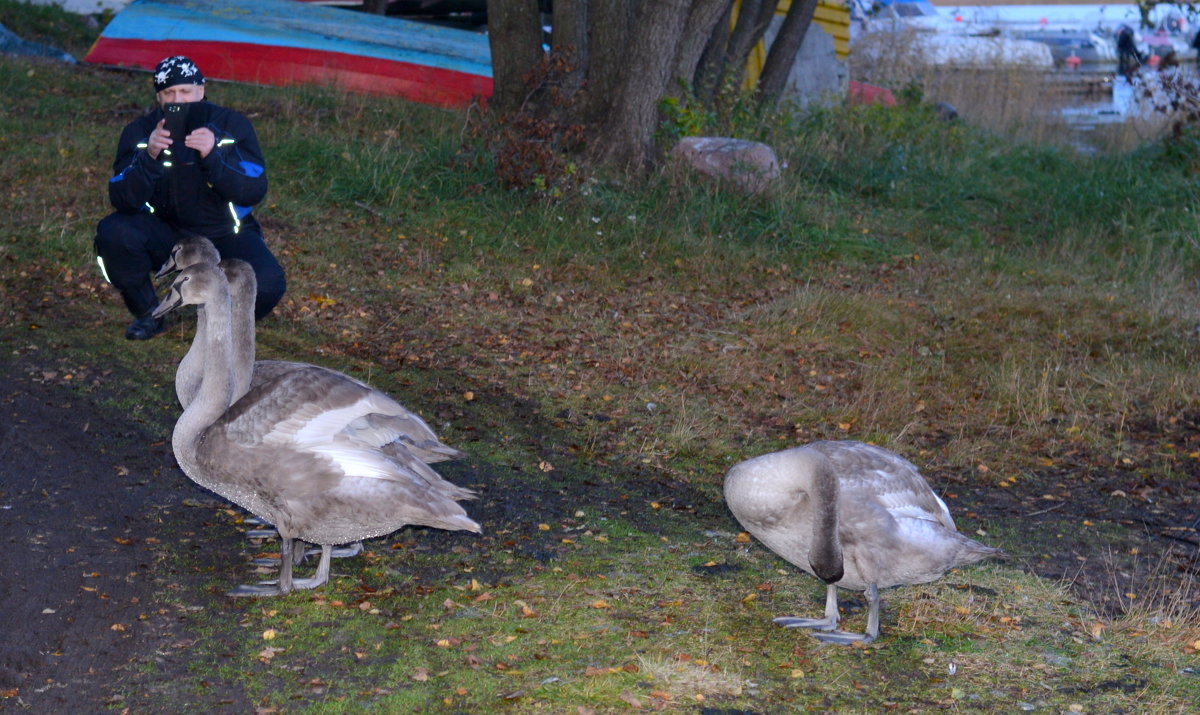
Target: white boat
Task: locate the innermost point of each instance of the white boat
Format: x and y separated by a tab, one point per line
937	39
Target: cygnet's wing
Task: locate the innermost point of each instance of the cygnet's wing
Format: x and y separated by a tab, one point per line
871	473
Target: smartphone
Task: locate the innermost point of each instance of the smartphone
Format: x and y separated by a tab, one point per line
176	114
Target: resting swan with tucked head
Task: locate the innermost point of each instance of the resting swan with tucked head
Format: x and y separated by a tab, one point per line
277	454
853	515
368	415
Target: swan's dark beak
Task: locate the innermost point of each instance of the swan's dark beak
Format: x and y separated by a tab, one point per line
167	267
173	300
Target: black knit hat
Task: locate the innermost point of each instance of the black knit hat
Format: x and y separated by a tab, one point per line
176	70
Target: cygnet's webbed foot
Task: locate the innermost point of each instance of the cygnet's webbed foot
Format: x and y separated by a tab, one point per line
264	589
843	637
256	590
824	624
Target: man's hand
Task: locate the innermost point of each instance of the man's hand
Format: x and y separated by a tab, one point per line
159	139
202	140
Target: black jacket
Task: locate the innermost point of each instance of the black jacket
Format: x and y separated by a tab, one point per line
211	196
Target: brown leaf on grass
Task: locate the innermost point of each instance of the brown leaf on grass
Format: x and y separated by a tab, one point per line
266	654
631	699
123	541
600	603
421	674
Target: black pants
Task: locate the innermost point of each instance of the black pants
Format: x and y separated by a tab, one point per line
134	246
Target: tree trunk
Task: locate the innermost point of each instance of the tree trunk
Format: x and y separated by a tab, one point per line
570	38
704	17
608	56
784	49
515	38
626	139
752	22
712	60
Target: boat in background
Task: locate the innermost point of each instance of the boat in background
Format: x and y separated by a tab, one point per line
1083	31
281	42
918	29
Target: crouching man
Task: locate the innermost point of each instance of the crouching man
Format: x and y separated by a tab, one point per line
189	167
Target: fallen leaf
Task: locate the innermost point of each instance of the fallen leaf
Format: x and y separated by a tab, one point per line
421	674
269	634
630	699
600	604
266	654
742	538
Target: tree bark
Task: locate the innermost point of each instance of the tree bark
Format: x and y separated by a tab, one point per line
569	37
515	38
699	29
712	60
626	139
609	22
782	55
752	22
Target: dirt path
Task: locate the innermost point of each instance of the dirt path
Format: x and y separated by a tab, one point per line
84	493
92	507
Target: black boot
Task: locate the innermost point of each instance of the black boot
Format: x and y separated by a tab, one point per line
142	301
144	328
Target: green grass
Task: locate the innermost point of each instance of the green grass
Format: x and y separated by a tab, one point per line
995	311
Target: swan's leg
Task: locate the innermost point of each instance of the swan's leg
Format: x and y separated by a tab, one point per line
845	638
287	549
341	552
298	556
873	613
272	588
828	623
322	575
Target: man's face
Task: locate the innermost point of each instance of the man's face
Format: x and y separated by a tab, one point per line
181	94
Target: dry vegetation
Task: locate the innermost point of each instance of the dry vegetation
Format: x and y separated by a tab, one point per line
604	359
